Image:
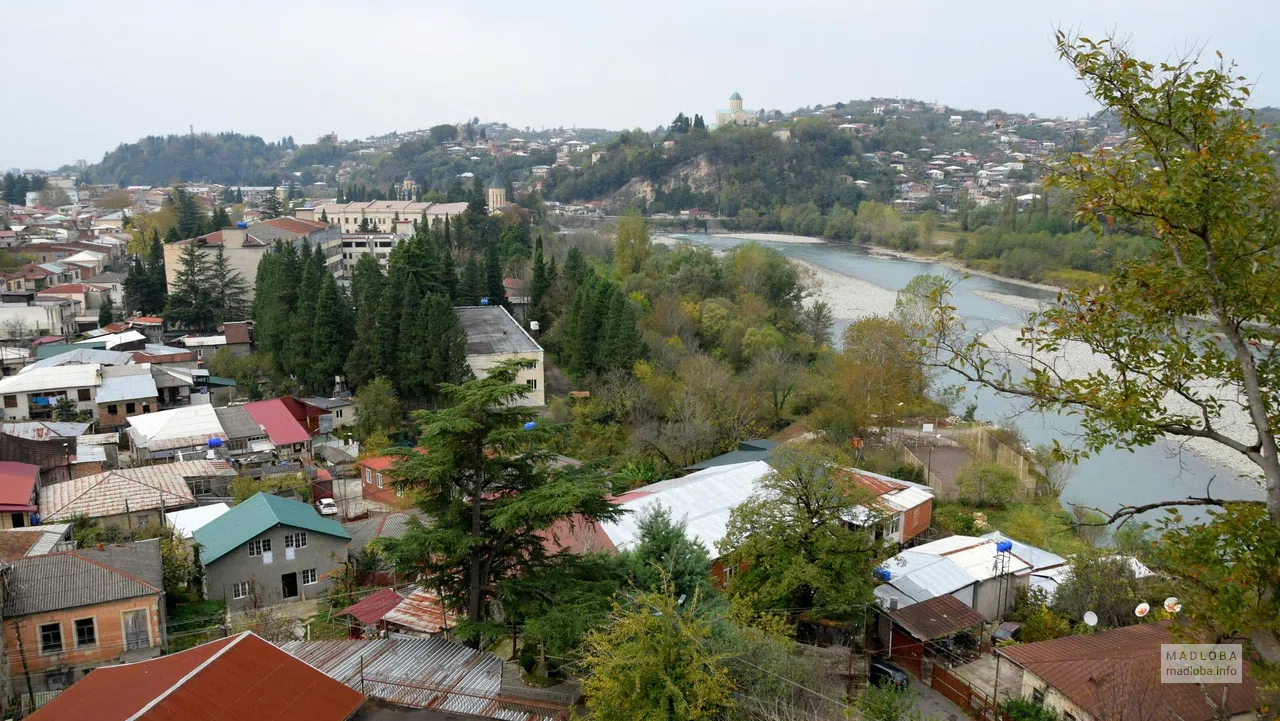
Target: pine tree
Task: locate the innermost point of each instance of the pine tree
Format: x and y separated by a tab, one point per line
324	216
448	273
330	337
367	285
191	219
191	304
447	344
494	288
231	290
539	285
473	285
575	269
297	355
137	287
106	314
219	220
270	205
172	236
157	285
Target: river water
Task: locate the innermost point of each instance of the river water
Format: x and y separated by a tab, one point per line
1107	480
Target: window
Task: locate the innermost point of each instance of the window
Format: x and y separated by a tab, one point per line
379	480
1037	696
51	638
368	475
894	525
202	486
309	577
337	413
130	407
137	632
82	394
86	632
730	572
295	540
260	546
113	409
10	401
240	589
533	383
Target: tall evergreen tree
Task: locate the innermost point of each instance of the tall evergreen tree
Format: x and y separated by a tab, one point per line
137	288
191	304
539	285
448	274
297	355
446	344
473	286
330	337
494	289
230	289
367	285
157	285
106	314
191	219
219	220
270	205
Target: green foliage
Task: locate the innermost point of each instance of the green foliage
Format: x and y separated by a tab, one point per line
377	408
631	248
1022	709
106	313
797	549
489	487
654	661
65	411
888	703
666	555
986	484
281	484
602	331
191	304
1105	585
226	158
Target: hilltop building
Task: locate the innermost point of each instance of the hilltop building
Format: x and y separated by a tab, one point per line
497	194
735	114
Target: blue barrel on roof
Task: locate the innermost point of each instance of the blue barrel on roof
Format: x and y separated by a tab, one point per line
215	442
242	225
530	425
883	574
484	301
1004	546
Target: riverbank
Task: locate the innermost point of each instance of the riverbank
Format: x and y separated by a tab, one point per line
1013	301
849	298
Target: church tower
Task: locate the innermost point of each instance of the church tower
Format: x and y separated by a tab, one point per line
735	102
497	193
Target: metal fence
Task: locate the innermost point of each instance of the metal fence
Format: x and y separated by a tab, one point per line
29	702
986	447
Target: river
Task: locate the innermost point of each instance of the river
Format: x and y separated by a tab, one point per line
1106	480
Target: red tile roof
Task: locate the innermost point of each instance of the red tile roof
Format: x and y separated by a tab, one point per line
17	483
148	320
237	332
1116	674
380	463
231	679
68	288
370	609
282	428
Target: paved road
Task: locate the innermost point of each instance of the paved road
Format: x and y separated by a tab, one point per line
933	706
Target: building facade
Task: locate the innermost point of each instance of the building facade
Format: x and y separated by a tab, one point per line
735	114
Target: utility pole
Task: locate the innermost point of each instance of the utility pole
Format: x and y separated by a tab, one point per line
17	631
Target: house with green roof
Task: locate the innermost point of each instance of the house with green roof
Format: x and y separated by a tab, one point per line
269	550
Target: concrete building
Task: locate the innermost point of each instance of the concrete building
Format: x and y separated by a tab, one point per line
974	570
378	216
268	550
44	316
131	498
33	393
494	336
245	246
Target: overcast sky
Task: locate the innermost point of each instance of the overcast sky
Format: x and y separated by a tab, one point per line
86	76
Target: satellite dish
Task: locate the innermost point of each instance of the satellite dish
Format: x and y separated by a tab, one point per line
1142	610
1090	618
1171	604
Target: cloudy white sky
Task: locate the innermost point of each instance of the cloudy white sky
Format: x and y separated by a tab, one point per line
86	76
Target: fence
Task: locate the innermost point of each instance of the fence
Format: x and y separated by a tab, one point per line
25	705
905	455
987	447
975	702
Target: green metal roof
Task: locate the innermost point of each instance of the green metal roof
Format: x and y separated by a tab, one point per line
263	511
50	350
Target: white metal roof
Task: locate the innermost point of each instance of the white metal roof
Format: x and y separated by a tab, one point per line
176	428
59	377
127	388
193	341
946	566
186	522
115	339
1038	558
702	500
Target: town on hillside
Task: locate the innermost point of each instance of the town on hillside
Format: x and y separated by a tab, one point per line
853	411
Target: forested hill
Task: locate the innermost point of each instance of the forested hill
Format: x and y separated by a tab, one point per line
227	158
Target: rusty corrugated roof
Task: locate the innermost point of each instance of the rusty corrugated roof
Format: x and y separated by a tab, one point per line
936	618
370	609
422	612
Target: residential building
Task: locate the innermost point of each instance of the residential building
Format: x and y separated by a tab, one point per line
341	411
291	438
42	316
47	444
238	678
903	510
70	612
982	572
493	336
1115	674
126	391
242	432
33	393
735	114
131	498
244	245
186	522
166	434
376	483
270	549
19	497
379	216
239	335
380	525
18	543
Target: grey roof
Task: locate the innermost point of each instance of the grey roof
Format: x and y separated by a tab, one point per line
127	388
44	430
52	582
327	403
237	423
491	329
107	277
748	452
387	525
85	355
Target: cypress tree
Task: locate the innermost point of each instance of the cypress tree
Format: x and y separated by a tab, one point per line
157	285
410	378
494	289
106	314
137	287
448	274
297	354
473	285
330	337
539	285
367	284
447	356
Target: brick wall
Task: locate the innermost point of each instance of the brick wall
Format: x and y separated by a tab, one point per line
109	643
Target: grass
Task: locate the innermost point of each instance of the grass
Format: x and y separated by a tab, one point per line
192	623
324	627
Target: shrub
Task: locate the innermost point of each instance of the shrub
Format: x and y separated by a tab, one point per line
986	484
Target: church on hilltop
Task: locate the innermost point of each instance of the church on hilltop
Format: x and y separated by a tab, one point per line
735	115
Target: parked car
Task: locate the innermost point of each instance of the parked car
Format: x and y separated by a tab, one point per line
327	507
883	673
1008	631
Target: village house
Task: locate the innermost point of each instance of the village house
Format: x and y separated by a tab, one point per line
49	445
268	683
19	497
167	434
375	480
341	411
126	391
67	613
131	498
33	393
983	573
18	543
1115	674
290	437
268	550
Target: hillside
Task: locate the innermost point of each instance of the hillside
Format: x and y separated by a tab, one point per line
227	158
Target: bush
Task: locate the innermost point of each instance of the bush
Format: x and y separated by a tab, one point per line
954	519
986	484
907	472
1021	709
